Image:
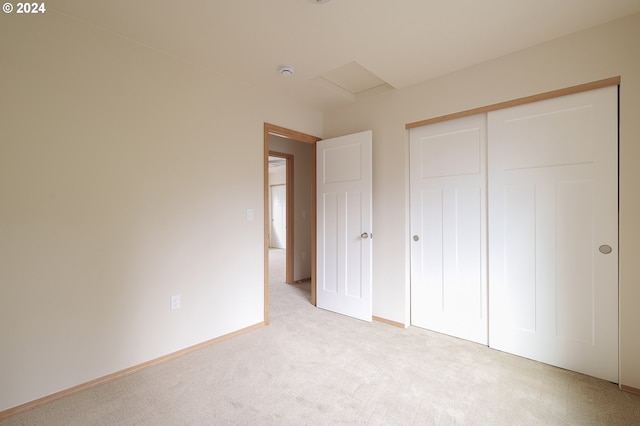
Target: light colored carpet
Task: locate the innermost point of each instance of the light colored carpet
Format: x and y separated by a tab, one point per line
310	366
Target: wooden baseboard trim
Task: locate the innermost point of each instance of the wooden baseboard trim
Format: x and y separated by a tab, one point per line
122	373
389	322
630	389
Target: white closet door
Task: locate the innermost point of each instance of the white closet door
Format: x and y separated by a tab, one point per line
448	225
553	231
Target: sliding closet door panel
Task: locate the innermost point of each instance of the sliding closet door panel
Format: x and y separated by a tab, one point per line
519	241
448	228
553	214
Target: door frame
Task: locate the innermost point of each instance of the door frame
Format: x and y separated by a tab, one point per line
302	138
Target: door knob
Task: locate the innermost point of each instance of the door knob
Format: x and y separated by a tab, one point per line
605	249
364	235
416	238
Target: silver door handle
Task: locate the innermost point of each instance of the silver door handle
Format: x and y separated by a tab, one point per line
416	238
364	235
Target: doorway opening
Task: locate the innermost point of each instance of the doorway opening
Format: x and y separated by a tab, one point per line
281	205
285	145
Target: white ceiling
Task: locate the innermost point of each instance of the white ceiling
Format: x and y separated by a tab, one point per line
382	44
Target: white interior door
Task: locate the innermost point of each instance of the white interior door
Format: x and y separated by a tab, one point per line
279	216
553	231
344	225
448	226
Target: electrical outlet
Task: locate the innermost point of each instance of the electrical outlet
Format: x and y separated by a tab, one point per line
175	302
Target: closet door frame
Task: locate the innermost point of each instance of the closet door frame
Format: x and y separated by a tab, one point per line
613	81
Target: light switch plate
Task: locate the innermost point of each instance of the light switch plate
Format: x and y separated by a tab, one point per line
175	302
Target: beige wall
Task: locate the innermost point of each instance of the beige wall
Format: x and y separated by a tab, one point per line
606	51
303	180
125	176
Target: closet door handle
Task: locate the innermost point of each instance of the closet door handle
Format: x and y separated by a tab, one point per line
605	249
416	238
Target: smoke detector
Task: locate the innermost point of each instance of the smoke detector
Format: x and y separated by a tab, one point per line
286	71
318	1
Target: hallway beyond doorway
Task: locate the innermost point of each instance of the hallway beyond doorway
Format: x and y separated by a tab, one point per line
277	276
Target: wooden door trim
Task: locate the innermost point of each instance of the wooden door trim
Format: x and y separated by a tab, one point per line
613	81
289	134
300	137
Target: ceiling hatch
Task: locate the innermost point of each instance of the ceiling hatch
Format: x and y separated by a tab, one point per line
354	81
